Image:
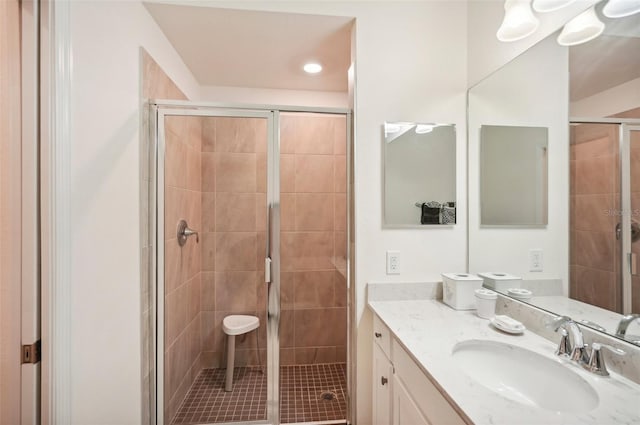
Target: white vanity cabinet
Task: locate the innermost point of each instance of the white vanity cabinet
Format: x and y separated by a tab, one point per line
382	373
407	396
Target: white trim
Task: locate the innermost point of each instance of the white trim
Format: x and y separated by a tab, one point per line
58	216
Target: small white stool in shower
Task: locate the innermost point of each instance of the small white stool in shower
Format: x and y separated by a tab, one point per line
233	325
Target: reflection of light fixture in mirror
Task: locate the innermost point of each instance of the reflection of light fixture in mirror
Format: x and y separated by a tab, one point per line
312	68
519	21
584	27
621	8
544	6
424	128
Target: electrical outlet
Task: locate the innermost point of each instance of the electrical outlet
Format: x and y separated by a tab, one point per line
535	260
393	262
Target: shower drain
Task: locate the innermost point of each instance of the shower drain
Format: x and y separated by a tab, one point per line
328	396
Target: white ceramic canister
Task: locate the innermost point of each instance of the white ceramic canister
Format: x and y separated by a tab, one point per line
486	303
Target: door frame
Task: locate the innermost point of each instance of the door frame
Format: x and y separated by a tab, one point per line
158	109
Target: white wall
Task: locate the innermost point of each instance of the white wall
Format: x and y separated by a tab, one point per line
532	90
487	53
105	204
617	99
321	99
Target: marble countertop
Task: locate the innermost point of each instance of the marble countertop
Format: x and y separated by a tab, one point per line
429	329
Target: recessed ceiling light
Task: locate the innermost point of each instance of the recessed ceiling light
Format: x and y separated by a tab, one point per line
312	68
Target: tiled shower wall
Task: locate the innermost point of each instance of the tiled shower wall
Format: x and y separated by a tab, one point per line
182	265
233	235
313	239
594	202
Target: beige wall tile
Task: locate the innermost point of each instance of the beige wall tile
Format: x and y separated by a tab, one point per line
340	217
288	211
592	213
287	173
235	212
261	172
313	251
208	211
340	135
311	327
314	173
236	172
595	250
314	211
208	134
208	292
246	135
313	289
236	291
208	243
236	251
314	355
208	172
340	167
594	287
595	176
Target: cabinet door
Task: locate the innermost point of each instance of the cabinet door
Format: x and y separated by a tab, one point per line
382	378
405	411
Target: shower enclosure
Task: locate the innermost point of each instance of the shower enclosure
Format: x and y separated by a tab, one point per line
605	213
263	196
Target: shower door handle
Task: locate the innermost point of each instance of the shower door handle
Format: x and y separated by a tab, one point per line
267	260
267	270
633	268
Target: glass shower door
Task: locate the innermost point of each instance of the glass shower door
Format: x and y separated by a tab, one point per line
212	291
313	225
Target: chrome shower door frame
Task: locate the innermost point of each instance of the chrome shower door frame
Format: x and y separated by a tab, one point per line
158	109
158	150
628	260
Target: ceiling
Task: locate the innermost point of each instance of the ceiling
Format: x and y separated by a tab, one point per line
607	61
226	47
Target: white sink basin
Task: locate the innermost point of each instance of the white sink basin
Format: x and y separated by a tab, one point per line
525	376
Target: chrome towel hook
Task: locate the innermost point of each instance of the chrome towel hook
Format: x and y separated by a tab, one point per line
184	232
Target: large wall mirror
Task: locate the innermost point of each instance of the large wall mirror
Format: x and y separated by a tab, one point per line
582	263
419	174
513	175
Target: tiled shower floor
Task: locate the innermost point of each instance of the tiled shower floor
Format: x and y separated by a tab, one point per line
301	395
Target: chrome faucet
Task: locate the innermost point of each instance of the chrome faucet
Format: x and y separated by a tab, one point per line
571	343
624	324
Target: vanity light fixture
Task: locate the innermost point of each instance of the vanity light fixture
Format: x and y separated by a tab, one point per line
312	68
584	27
519	21
621	8
544	6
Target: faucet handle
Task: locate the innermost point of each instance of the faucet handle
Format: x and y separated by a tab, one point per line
596	360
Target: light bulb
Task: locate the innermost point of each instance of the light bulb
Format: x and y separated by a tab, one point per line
621	8
519	21
584	27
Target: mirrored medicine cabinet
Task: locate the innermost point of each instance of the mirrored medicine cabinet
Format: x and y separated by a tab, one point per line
419	175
